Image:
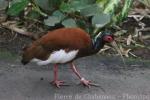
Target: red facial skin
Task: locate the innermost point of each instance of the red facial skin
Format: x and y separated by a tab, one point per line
108	38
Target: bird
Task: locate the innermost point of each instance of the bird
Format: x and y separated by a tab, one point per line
63	46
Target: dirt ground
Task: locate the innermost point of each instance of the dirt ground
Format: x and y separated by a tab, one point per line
118	82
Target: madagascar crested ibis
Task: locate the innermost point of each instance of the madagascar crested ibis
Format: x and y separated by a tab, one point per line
63	46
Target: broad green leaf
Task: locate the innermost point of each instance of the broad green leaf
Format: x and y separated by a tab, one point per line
75	5
65	7
51	21
90	10
44	4
17	7
100	20
3	4
58	14
69	23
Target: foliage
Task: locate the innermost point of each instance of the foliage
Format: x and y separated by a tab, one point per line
91	15
17	7
146	2
94	14
124	13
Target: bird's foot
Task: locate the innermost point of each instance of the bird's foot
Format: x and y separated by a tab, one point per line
58	83
88	83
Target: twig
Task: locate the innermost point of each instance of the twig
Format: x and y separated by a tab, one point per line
12	26
133	54
146	37
145	29
13	37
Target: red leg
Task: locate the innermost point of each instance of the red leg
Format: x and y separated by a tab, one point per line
82	79
56	82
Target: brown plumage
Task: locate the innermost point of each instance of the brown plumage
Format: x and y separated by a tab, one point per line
64	38
67	39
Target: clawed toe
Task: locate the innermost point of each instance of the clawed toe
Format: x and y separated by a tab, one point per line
88	83
58	83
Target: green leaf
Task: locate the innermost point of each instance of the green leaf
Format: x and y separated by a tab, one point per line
58	14
48	5
51	21
69	23
3	4
44	4
33	14
100	20
65	7
17	7
75	5
90	10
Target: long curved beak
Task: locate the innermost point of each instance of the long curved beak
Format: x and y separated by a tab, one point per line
114	44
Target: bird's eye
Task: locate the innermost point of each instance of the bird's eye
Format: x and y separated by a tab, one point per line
108	38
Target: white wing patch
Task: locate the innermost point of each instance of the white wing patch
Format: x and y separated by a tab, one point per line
58	57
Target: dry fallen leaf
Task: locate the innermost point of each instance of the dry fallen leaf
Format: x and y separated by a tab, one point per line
125	52
13	26
129	39
106	47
